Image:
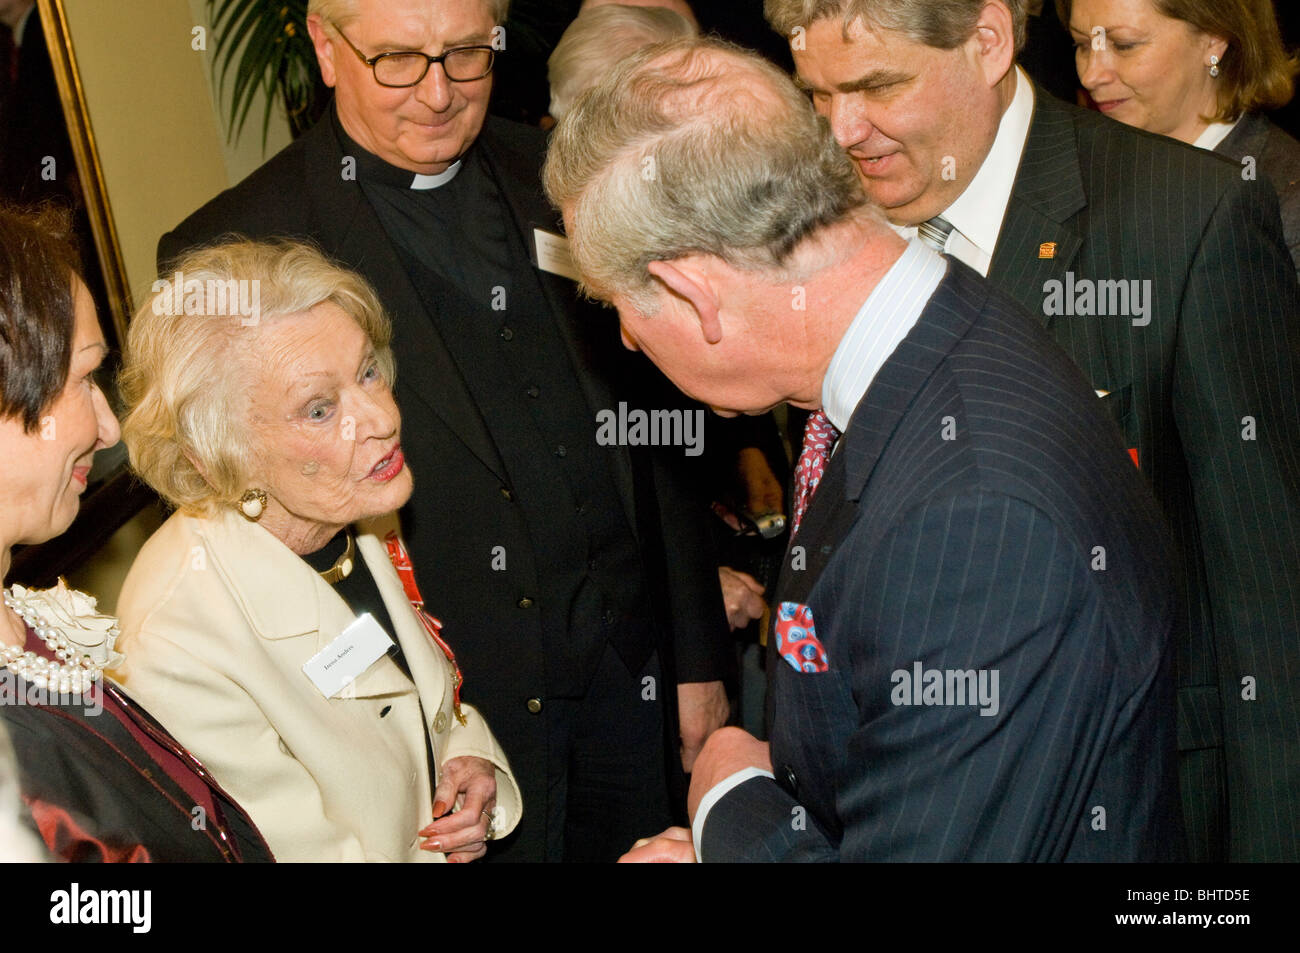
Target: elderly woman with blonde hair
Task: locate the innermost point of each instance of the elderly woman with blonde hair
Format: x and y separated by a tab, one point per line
273	621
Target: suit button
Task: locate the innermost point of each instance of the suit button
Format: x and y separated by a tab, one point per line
534	391
507	334
561	451
535	705
507	495
591	565
440	722
609	617
791	782
525	603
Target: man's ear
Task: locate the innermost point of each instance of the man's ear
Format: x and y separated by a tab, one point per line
694	286
324	45
995	41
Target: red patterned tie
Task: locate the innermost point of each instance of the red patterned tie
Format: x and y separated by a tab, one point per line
819	436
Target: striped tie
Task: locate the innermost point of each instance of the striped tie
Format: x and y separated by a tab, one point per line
935	232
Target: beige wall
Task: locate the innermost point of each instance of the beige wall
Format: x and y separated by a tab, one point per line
164	149
161	136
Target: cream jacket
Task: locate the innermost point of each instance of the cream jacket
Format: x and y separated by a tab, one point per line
218	617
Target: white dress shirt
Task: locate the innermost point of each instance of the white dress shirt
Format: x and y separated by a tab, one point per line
976	216
885	318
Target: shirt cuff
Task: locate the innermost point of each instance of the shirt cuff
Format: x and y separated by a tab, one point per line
716	794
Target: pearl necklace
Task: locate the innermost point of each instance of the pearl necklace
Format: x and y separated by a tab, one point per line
73	674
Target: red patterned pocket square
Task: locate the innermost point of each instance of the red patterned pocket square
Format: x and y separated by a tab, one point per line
796	639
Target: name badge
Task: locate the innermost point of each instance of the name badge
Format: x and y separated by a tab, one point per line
553	254
341	663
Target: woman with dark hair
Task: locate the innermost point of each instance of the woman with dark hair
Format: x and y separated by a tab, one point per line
99	778
1202	71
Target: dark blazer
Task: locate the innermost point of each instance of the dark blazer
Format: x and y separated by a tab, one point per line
980	552
464	503
1206	394
1277	156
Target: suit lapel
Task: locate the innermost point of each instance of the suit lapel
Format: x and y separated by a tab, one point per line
1047	194
1250	138
352	232
945	320
426	669
284	598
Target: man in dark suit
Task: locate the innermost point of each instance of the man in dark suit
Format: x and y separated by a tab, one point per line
542	550
973	625
1164	275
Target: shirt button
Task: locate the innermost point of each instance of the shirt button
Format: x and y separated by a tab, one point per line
561	451
534	391
507	334
535	705
507	495
440	722
525	603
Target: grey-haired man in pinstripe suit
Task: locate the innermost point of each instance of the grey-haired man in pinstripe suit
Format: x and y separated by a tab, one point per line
972	642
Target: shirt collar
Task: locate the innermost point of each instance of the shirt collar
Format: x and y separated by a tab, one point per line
978	212
885	318
423	182
374	169
1214	134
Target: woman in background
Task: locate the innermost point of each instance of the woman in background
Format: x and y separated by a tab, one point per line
100	779
1201	71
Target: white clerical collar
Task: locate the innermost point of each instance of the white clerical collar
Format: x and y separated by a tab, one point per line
885	318
978	212
1214	134
423	182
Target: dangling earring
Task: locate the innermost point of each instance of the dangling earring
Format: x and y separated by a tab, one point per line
252	504
1214	67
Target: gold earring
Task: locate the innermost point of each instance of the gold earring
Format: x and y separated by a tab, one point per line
253	504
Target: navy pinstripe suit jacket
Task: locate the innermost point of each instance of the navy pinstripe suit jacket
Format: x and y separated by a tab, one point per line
985	553
1208	393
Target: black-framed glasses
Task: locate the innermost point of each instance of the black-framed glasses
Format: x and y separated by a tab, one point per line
402	68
